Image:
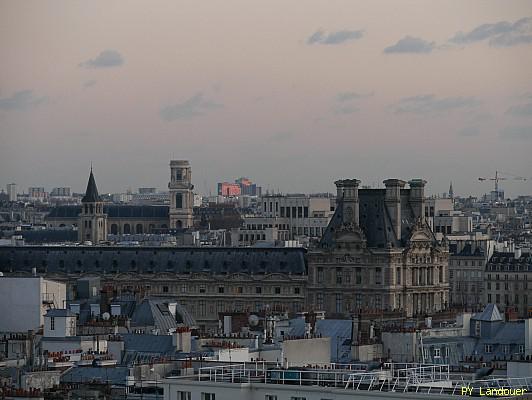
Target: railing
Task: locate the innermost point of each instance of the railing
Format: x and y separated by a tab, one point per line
391	377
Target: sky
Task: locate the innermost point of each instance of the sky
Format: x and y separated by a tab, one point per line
294	94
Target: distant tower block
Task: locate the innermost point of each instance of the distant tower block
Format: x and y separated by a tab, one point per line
181	196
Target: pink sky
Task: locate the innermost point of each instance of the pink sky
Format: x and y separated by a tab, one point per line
237	88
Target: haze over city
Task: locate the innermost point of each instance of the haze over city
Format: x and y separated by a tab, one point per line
292	94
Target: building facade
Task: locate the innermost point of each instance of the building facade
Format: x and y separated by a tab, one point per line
181	195
378	253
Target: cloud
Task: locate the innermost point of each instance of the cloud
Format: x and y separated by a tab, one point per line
430	104
348	96
106	59
339	37
410	44
522	110
22	100
517	132
89	84
469	131
500	34
195	106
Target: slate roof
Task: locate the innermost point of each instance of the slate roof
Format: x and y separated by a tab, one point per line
97	259
113	211
115	375
50	236
374	220
91	194
490	313
466	250
153	314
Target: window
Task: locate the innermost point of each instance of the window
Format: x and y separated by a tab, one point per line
521	348
52	323
258	290
179	200
338	276
339	303
319	301
165	289
208	396
305	212
270	397
320	275
202	289
221	289
298	398
358	276
240	290
506	349
488	348
436	352
183	288
378	276
277	290
398	275
296	290
183	395
282	211
300	212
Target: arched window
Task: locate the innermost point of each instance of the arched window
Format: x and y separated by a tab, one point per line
179	200
127	229
179	224
138	229
91	207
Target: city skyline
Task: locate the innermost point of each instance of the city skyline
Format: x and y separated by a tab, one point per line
366	90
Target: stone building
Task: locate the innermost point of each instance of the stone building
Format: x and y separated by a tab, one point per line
378	253
205	281
92	224
508	282
181	195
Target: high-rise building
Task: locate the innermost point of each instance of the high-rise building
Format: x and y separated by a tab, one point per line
11	189
92	225
228	189
60	192
181	195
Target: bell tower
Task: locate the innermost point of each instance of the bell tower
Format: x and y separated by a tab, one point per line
92	222
181	195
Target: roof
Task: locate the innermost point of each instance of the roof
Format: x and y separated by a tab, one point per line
113	211
172	260
91	194
60	313
490	313
153	314
374	220
115	376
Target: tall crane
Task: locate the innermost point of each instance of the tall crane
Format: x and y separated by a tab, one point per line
498	178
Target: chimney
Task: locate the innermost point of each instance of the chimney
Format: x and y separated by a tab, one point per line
347	190
417	197
392	200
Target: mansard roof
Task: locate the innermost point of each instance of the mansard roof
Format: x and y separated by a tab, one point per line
375	221
91	194
114	211
147	260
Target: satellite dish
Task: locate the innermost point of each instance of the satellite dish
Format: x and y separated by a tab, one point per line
253	320
106	316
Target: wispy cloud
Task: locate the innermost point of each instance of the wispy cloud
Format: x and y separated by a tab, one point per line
469	131
106	59
347	102
499	34
410	44
516	133
521	110
195	106
22	100
339	37
430	104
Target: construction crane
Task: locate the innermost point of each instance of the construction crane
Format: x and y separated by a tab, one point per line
498	178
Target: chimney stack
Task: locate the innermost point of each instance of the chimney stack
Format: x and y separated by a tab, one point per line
393	202
417	197
349	192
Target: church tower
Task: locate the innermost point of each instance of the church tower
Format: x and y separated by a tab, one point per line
92	220
181	196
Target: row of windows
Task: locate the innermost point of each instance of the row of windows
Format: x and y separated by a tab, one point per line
515	286
237	289
516	299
